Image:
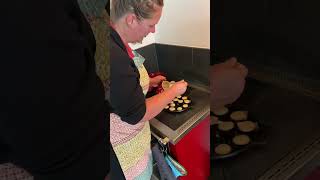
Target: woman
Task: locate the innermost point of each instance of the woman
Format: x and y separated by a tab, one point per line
131	21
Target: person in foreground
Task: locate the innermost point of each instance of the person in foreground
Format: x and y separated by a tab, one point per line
53	117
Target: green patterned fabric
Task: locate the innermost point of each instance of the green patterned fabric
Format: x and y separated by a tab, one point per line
95	12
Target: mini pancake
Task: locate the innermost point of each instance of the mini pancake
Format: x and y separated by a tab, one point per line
221	111
187	101
239	115
180	101
223	149
246	126
184	97
179	108
172	104
185	105
165	85
241	139
226	126
172	109
167	107
176	99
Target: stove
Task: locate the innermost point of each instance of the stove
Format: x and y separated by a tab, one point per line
176	125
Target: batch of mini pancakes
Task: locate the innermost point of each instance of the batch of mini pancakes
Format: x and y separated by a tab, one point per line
233	131
179	104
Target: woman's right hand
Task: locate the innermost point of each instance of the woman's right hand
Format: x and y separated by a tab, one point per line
227	82
179	87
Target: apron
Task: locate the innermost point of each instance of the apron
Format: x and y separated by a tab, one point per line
132	143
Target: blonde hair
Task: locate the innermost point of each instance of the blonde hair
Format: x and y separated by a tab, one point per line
143	9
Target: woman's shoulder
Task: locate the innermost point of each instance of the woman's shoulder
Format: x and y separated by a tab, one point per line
118	55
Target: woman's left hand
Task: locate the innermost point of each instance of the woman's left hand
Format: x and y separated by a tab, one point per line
155	81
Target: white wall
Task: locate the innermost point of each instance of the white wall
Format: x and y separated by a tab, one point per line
183	23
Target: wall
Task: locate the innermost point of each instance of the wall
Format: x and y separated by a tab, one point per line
183	23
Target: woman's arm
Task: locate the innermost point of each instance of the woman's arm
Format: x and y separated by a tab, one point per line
155	104
155	81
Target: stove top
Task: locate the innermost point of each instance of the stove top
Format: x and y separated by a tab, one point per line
199	99
292	120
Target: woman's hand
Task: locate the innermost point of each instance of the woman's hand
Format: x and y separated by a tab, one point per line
179	87
155	81
227	81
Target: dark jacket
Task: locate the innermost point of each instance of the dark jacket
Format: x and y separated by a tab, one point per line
53	117
126	96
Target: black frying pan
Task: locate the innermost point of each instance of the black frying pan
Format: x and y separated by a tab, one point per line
257	138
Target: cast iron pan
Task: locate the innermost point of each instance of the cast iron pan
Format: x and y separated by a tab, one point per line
154	91
187	93
257	137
